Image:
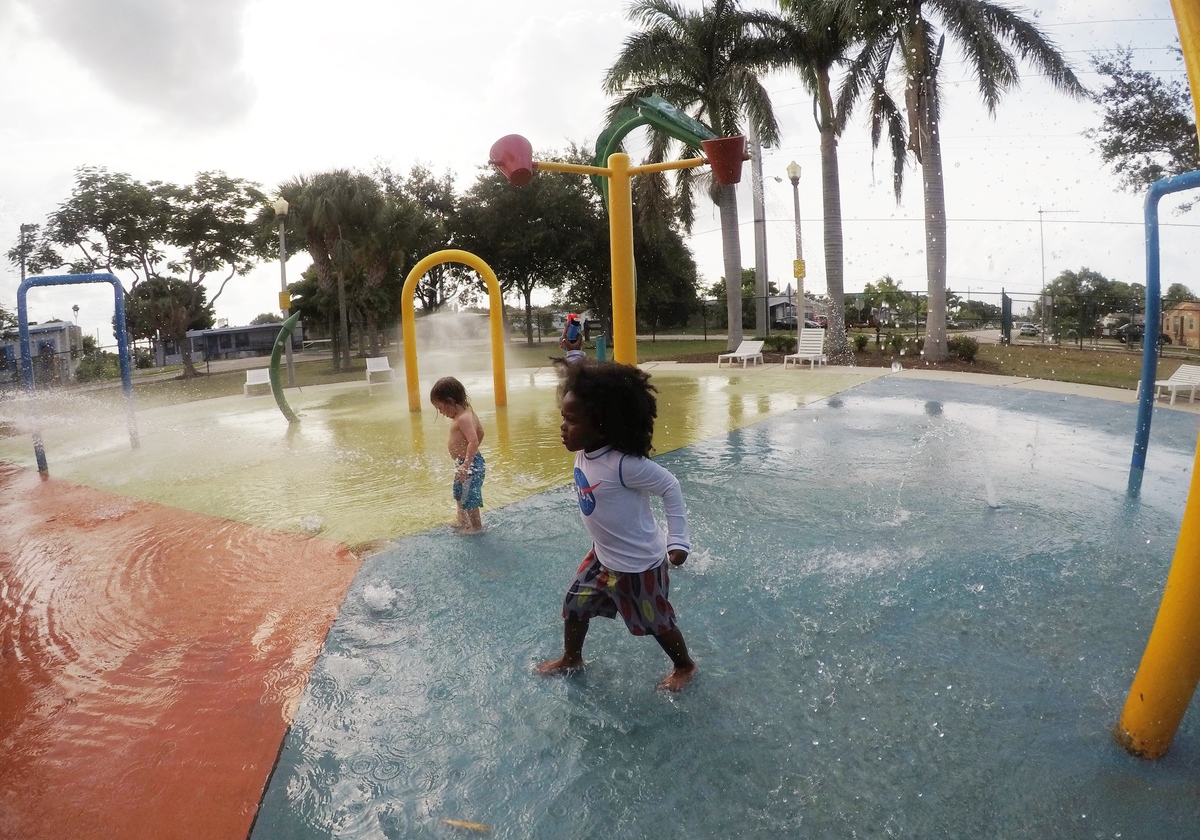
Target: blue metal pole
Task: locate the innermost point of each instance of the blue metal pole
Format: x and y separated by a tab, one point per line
1141	436
39	448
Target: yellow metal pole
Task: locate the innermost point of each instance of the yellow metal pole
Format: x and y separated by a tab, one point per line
620	233
1170	667
495	316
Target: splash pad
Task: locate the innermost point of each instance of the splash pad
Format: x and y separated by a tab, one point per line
915	607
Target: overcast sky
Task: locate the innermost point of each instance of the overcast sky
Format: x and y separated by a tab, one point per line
269	89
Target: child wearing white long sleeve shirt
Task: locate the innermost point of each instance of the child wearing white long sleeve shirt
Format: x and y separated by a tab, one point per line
608	413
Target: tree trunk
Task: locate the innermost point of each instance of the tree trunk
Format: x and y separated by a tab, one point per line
333	342
526	292
935	244
344	318
185	352
372	334
831	205
731	245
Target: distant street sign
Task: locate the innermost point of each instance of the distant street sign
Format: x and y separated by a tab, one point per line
798	269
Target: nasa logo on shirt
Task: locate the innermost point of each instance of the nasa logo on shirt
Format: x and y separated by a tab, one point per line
587	501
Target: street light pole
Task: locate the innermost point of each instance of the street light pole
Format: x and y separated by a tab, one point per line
1042	240
793	173
281	211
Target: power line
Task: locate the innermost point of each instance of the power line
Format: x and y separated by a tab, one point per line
921	221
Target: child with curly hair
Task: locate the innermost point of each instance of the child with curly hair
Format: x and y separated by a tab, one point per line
608	413
449	397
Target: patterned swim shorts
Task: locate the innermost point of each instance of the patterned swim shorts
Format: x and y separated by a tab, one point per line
640	597
469	493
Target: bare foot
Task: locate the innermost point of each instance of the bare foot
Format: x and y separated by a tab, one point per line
678	678
562	665
470	529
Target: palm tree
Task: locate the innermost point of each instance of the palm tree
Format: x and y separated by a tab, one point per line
391	240
913	32
705	63
812	37
333	211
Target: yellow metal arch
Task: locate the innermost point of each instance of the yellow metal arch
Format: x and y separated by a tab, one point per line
408	322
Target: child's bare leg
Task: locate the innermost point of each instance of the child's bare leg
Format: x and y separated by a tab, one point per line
463	522
675	647
574	632
474	522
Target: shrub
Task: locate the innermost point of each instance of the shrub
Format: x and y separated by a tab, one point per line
860	342
963	346
779	343
895	342
98	366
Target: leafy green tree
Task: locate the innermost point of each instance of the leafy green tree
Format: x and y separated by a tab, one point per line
813	37
704	62
749	289
143	232
1148	131
913	34
437	205
331	212
169	307
211	225
266	318
533	236
1177	293
32	253
667	276
1081	298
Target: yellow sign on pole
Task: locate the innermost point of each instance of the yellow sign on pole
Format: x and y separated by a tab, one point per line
285	301
798	269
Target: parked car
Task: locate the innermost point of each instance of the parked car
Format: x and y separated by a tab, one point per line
811	325
785	322
1127	333
1029	329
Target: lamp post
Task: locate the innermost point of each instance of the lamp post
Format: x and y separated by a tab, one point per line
793	173
285	304
75	309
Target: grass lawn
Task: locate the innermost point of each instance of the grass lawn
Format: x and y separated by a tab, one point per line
1089	366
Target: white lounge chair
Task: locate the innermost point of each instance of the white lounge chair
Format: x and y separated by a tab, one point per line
747	351
257	376
810	347
379	366
1185	378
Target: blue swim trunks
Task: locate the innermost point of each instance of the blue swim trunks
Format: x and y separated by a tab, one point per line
469	493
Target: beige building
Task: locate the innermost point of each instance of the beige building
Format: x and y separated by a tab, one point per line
1182	323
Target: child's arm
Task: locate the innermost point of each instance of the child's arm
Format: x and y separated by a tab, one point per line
644	474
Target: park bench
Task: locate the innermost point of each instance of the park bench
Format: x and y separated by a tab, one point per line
257	376
746	351
810	347
1185	378
380	367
